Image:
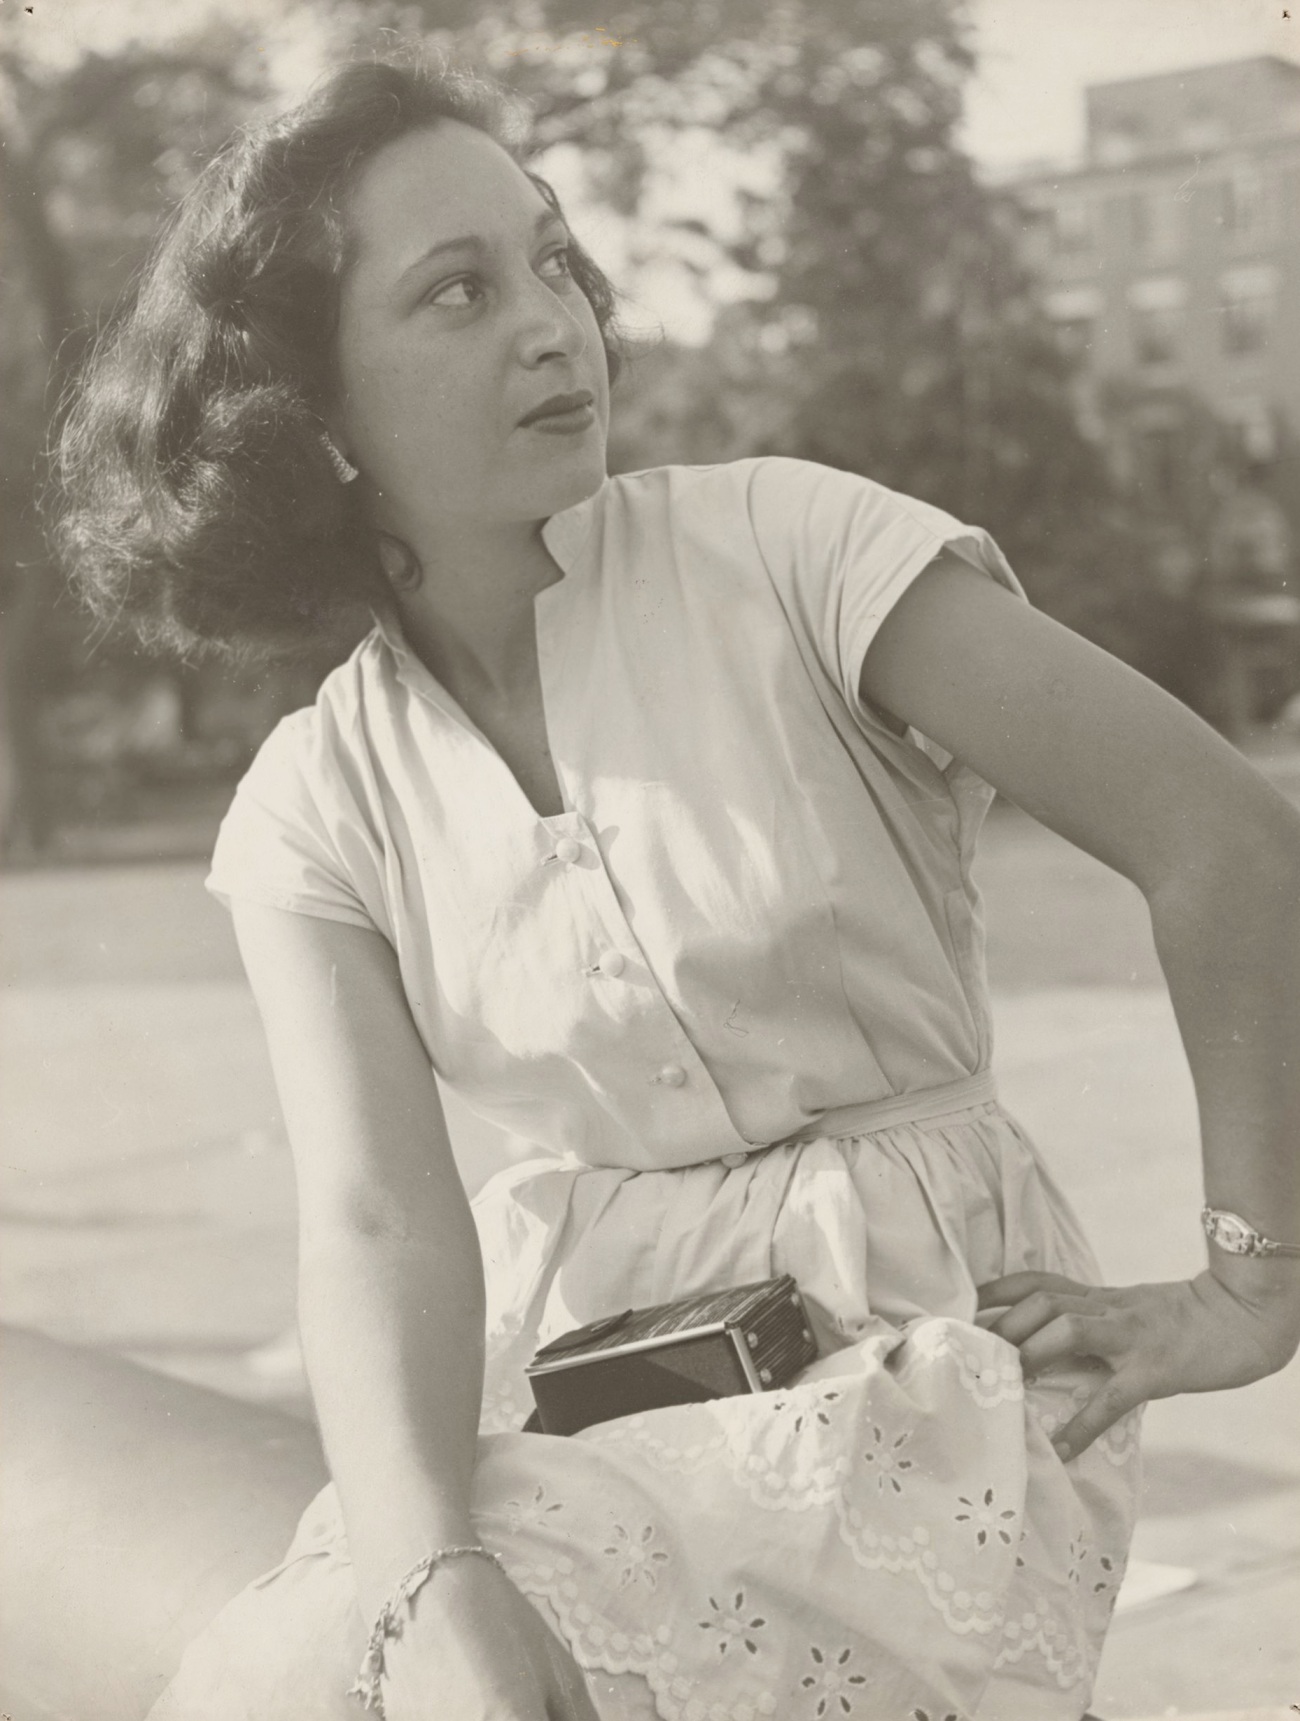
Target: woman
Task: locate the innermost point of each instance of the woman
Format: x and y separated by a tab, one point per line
645	815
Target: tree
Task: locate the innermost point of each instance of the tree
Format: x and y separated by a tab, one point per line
883	322
90	157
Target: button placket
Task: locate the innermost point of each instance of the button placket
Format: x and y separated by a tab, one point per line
690	1106
677	1070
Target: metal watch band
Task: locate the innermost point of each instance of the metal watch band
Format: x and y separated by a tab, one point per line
1237	1236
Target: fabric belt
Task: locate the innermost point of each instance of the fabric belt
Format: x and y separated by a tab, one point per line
913	1107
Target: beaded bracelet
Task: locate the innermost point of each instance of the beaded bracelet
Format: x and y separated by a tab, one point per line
389	1622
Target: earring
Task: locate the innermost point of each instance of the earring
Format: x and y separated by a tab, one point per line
401	566
344	470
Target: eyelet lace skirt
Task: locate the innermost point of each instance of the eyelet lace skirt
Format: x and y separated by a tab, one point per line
891	1539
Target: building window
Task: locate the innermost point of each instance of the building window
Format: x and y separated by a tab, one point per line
1246	300
1156	318
1073	227
1245	206
1159	455
1074	312
1154	227
1155	334
1250	423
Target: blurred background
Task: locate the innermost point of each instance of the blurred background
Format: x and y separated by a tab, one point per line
1037	261
1007	255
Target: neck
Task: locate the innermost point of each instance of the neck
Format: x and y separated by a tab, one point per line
471	617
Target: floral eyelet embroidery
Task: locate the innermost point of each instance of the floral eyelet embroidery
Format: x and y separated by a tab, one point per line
854	1456
986	1521
731	1628
637	1556
832	1680
527	1514
884	1457
803	1414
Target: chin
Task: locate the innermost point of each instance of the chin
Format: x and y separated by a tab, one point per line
568	481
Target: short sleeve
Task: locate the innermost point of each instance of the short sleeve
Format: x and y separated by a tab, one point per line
285	840
842	550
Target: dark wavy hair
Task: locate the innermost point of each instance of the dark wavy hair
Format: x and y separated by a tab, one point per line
194	499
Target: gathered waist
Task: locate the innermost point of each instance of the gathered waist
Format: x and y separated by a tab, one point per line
901	1222
917	1105
920	1105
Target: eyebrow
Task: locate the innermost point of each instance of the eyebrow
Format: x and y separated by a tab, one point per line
473	242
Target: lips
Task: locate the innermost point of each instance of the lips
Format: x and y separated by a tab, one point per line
557	405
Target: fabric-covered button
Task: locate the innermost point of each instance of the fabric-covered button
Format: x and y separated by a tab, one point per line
672	1076
613	962
567	850
732	1160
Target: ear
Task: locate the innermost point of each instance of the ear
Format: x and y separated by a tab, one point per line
402	567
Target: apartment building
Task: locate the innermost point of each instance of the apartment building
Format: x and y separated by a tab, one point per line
1169	259
1171	254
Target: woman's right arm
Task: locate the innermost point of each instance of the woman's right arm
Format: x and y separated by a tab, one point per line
391	1304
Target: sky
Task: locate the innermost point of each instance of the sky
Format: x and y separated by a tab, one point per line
1037	56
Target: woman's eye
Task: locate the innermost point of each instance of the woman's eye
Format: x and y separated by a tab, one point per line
462	291
560	262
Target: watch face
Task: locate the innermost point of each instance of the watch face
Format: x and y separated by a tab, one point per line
1231	1233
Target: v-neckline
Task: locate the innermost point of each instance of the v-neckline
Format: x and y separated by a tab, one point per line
562	542
498	758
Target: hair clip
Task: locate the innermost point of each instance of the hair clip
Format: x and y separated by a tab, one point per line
343	467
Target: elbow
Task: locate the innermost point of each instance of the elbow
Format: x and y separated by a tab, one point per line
363	1250
354	1221
369	1220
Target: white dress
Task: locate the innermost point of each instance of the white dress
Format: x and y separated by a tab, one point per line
734	994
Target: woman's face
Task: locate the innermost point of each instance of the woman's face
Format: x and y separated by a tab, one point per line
458	318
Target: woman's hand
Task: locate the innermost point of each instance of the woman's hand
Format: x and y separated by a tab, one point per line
473	1647
1230	1325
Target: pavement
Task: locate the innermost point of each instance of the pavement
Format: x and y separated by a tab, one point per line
147	1204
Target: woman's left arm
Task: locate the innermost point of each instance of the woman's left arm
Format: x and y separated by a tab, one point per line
1109	761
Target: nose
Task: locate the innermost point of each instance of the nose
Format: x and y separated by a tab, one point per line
548	328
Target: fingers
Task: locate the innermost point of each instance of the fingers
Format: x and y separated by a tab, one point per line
1152	1340
1039	1309
1114	1399
1013	1287
1075	1334
1052	1319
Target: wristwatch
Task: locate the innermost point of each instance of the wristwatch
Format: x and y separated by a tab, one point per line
1235	1235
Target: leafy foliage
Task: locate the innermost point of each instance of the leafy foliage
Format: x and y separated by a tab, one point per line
876	315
